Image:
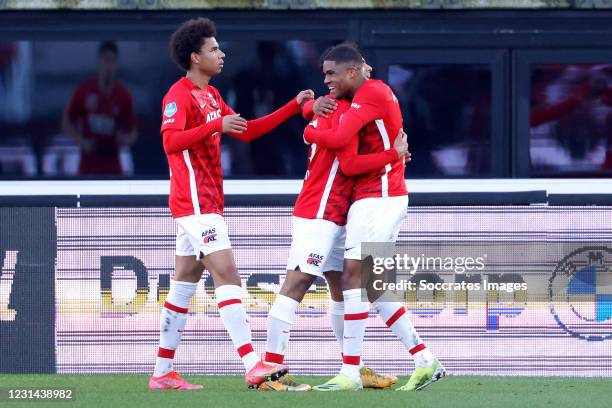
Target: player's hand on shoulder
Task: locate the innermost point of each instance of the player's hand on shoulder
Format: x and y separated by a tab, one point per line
304	96
233	124
324	106
401	146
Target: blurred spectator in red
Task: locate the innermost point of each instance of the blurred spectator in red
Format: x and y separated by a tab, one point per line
100	117
571	98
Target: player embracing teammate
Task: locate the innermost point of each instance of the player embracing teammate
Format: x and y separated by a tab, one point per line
359	138
378	208
318	234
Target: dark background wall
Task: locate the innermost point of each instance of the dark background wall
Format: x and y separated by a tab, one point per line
496	93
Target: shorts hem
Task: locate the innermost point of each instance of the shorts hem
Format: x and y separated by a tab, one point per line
307	271
202	253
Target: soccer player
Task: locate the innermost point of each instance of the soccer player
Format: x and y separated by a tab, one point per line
100	117
318	235
380	201
194	117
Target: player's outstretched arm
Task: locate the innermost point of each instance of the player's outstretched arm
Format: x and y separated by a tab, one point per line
353	164
259	127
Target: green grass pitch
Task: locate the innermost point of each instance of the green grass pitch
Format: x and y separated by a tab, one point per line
130	391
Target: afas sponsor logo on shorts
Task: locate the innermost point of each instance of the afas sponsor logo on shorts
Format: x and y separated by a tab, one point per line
209	235
314	259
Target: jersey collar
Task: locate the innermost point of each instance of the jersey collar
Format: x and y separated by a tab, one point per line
190	85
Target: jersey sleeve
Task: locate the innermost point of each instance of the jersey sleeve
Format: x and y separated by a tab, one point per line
307	110
352	163
176	140
175	137
175	109
368	105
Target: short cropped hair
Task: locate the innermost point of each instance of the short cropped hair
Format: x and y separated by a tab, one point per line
344	52
108	46
189	38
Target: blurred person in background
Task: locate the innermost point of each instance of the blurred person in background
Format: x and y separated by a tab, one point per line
571	101
100	117
606	99
17	149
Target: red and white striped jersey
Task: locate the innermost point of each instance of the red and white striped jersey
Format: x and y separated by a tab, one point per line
196	178
326	192
375	105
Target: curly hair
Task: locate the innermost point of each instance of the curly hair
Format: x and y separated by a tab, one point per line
189	38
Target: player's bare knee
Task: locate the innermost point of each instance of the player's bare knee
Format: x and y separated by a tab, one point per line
296	284
188	269
334	282
225	275
351	276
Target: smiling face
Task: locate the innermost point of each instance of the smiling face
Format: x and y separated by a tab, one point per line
209	60
341	78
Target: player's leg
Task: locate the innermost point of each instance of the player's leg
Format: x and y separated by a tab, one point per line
174	315
355	309
312	243
361	222
228	292
393	313
208	235
355	318
369	220
280	319
369	377
336	304
282	313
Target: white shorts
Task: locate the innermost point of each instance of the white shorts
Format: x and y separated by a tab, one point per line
317	246
376	219
201	235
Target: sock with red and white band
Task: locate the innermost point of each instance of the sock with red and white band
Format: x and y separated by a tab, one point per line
394	315
236	322
336	318
279	323
172	322
355	317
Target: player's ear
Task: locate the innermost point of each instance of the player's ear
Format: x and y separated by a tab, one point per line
195	58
